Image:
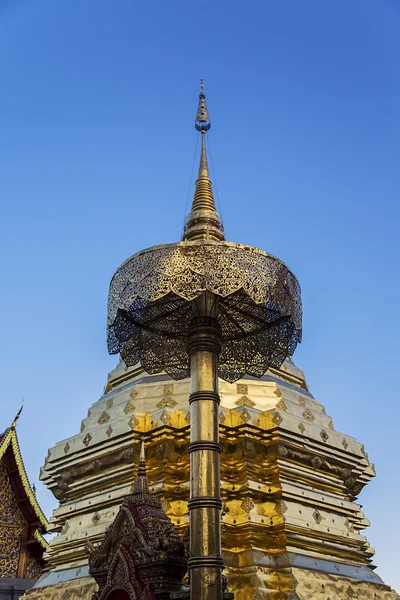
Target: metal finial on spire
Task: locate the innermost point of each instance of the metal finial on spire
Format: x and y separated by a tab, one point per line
203	121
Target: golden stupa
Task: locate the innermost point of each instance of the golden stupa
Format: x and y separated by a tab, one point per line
289	482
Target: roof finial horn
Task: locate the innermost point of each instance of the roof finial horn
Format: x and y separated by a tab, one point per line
17	416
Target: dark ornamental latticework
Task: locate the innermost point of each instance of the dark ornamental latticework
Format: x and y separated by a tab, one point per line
150	310
141	554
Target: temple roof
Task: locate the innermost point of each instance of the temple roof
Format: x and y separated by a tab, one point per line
10	455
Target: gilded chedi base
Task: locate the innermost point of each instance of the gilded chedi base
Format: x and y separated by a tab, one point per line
291	524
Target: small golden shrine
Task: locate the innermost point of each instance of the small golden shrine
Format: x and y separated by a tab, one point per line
22	521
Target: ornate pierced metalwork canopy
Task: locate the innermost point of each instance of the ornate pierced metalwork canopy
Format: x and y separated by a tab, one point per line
149	310
151	294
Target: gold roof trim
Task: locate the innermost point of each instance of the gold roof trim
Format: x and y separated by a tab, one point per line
10	438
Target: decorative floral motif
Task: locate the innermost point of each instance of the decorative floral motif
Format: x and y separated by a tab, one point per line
129	407
245	401
242	388
15	561
281	405
247	504
167	402
104	418
307	414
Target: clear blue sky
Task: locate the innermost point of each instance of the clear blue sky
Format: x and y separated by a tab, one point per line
97	106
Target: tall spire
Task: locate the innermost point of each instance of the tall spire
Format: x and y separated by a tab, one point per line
203	222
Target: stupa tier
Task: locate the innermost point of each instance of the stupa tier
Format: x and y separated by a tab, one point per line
291	524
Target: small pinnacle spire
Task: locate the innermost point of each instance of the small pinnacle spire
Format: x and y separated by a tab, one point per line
203	222
141	484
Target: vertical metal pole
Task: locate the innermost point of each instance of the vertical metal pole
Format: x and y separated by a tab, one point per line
205	562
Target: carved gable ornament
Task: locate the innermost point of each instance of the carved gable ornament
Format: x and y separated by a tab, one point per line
141	554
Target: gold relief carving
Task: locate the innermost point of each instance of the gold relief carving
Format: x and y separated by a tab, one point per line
307	414
247	504
302	401
278	392
129	407
323	410
109	431
134	393
242	388
66	448
313	584
281	405
14	559
10	550
324	435
81	589
168	389
330	424
110	402
345	444
222	417
166	402
82	426
187	416
104	418
245	401
32	568
302	428
277	419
